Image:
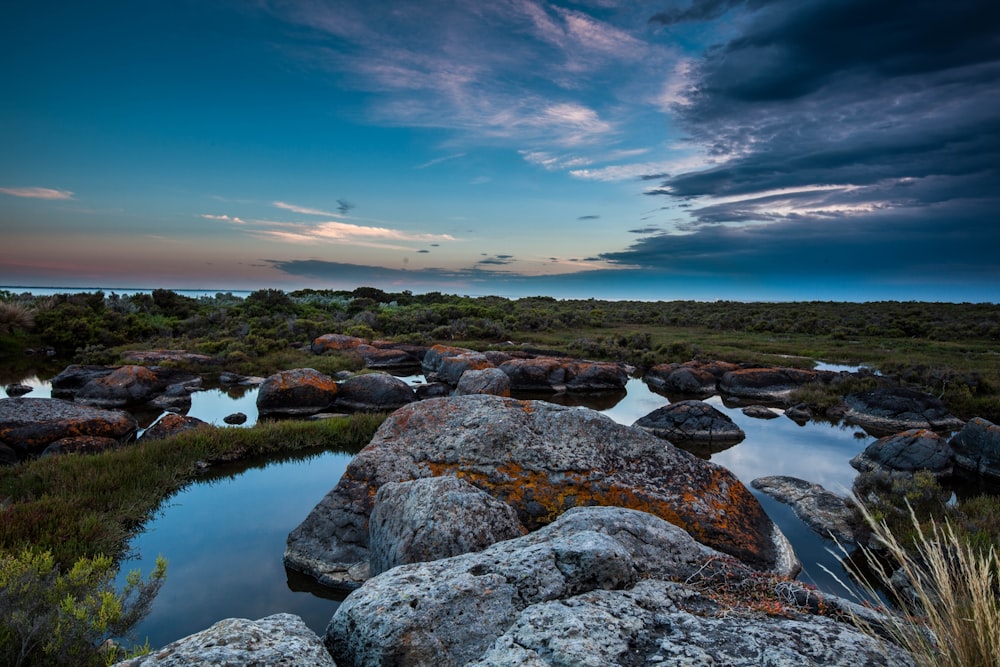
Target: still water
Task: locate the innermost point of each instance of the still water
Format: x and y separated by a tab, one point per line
224	536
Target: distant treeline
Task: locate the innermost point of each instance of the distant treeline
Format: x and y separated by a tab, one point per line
269	319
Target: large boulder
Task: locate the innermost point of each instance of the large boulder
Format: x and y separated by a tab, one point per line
559	374
487	381
593	588
301	391
906	453
29	425
977	448
132	385
279	640
825	512
373	392
435	517
541	459
692	422
767	383
889	410
445	363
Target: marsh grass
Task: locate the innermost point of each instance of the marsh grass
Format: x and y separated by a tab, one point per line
84	505
950	602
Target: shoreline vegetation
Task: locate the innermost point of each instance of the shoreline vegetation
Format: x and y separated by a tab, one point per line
85	507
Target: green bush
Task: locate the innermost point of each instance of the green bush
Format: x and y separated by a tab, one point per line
48	617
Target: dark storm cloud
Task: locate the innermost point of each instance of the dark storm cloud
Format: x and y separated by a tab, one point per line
850	127
499	260
645	230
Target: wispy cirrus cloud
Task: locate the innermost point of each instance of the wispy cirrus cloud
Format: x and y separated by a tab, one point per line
471	67
439	160
37	193
304	210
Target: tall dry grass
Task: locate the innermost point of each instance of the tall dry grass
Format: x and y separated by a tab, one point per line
949	602
14	317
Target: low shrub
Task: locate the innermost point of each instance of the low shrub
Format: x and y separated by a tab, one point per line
53	617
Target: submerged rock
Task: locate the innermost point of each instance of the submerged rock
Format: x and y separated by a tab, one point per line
825	512
541	459
15	390
560	374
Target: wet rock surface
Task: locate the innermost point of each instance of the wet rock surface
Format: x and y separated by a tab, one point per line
825	512
552	374
541	459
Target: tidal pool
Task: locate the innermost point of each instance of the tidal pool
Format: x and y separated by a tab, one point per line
224	536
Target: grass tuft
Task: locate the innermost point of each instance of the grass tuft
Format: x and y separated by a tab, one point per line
950	601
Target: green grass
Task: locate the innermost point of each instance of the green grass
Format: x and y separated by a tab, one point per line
77	506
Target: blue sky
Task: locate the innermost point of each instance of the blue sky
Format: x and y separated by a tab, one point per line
714	149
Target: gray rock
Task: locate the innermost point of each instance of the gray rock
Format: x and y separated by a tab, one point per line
825	512
799	414
907	452
977	448
373	392
278	640
589	589
159	356
664	623
541	459
301	391
487	381
691	422
336	343
893	409
432	518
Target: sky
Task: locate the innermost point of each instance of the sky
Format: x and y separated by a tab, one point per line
844	150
